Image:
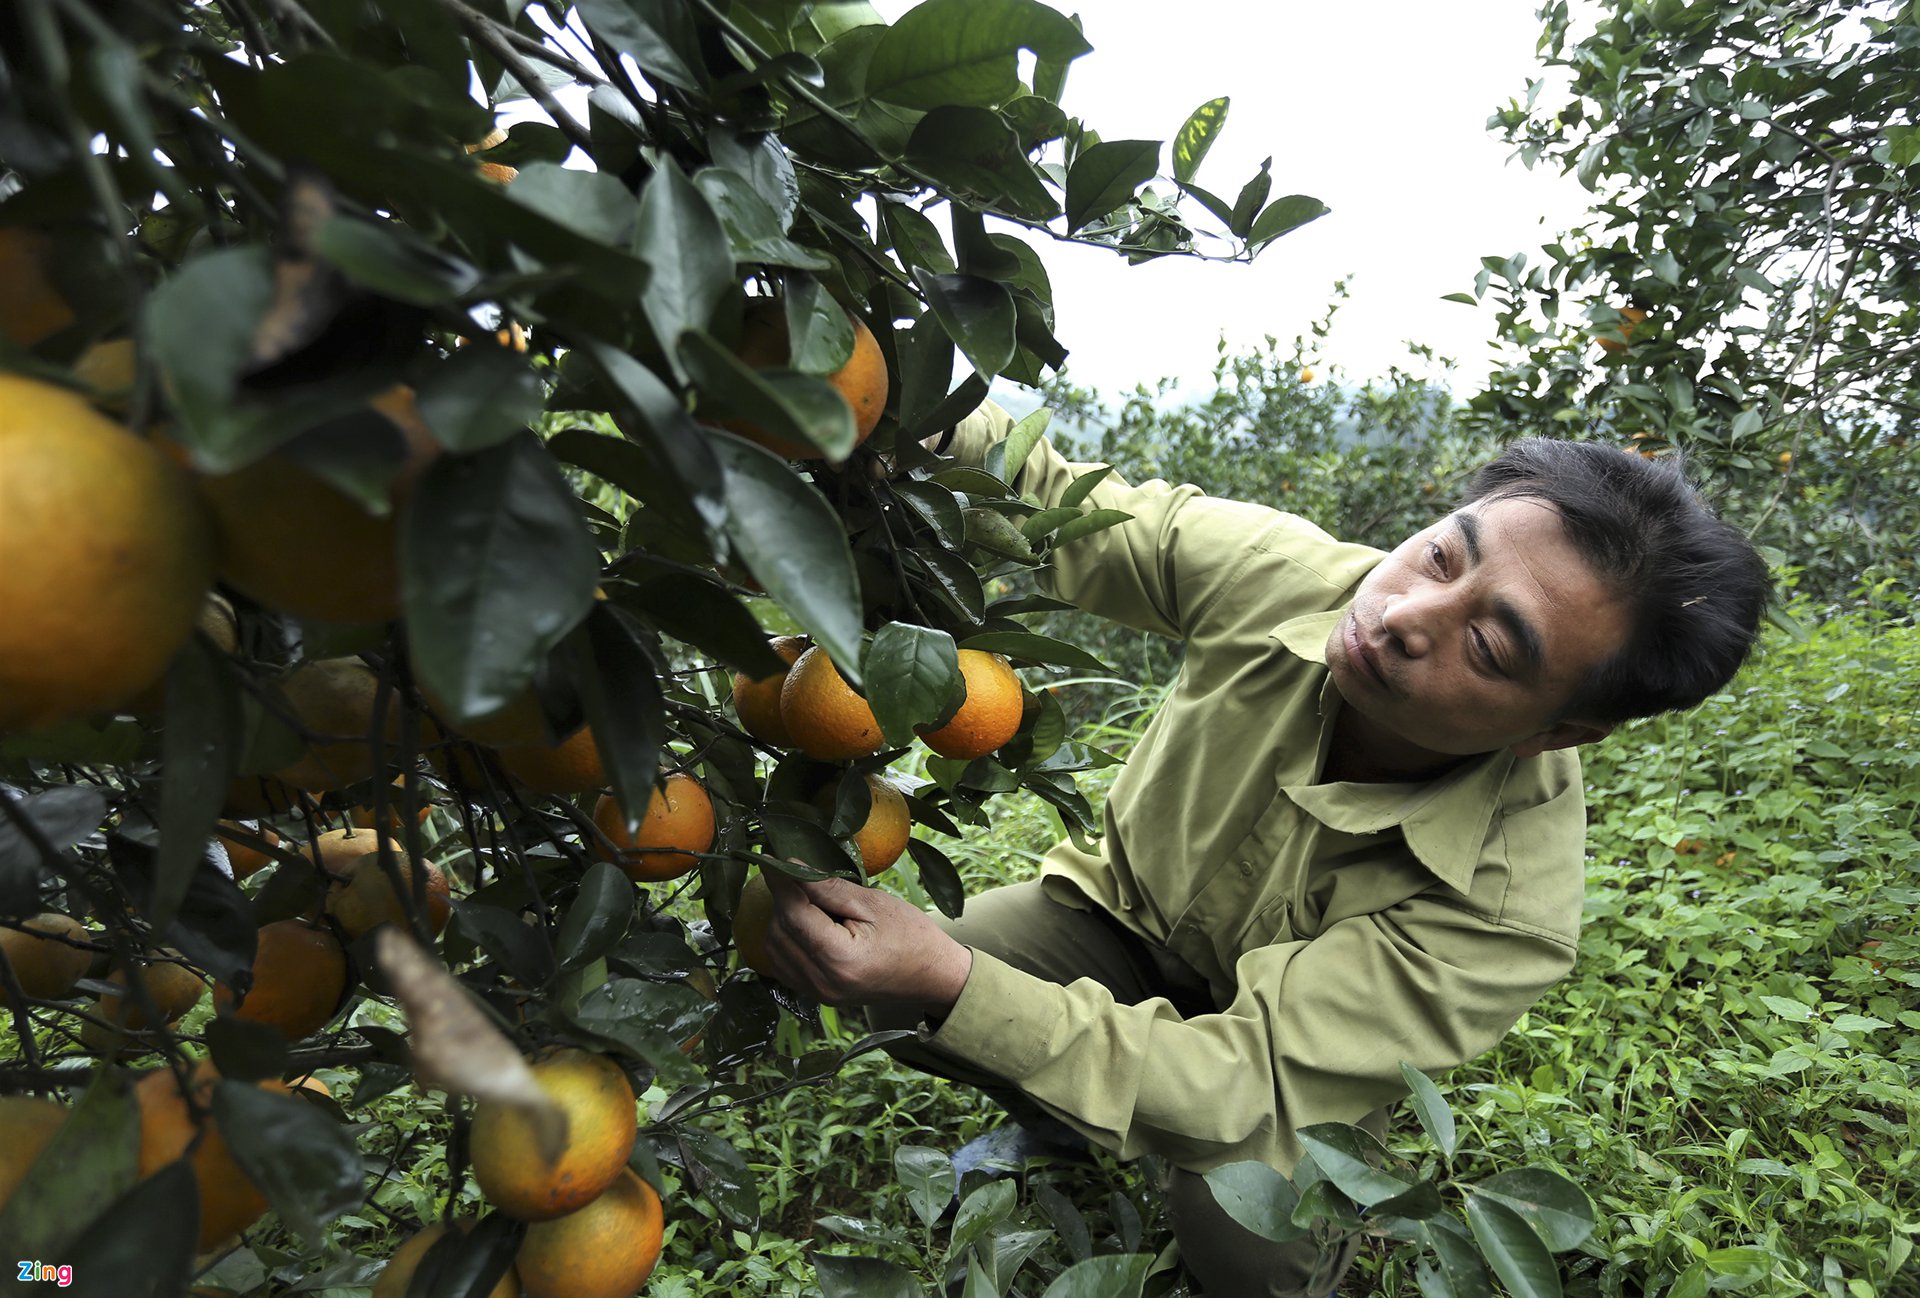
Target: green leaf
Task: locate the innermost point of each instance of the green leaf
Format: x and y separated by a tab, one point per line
141	1243
1081	487
478	397
1511	1248
647	1021
598	918
947	52
589	203
913	679
1026	646
780	403
1460	1263
1252	196
1258	1197
198	752
979	253
497	567
199	324
914	238
977	314
938	877
997	535
620	692
1346	1155
681	474
92	1159
985	1207
819	332
974	155
658	34
718	1172
1196	137
1284	215
1005	457
1791	1010
384	257
1431	1108
753	227
1094	520
306	1164
1105	177
863	1277
681	239
1110	1275
928	1177
793	543
1557	1209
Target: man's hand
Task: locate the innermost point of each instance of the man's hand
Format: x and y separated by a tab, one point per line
844	944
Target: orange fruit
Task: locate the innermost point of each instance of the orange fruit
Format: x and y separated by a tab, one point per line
568	767
173	988
861	382
333	701
31	308
338	851
751	916
827	720
313	1084
105	556
295	542
362	817
988	716
883	835
1629	317
518	721
678	822
757	702
26	1125
397	1274
605	1250
229	1202
363	898
245	858
219	624
299	980
46	966
601	1127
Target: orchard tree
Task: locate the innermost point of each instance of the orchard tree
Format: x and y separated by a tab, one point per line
465	511
1747	284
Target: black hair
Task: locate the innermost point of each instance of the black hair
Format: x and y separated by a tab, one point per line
1695	587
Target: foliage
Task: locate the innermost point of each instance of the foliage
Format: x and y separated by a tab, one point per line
1744	287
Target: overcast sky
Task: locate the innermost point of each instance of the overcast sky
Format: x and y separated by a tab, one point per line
1379	110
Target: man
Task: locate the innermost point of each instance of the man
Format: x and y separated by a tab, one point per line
1352	835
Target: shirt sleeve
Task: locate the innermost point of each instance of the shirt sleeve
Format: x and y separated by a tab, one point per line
1159	571
1316	1034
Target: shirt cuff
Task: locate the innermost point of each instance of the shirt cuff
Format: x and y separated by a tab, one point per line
1004	1020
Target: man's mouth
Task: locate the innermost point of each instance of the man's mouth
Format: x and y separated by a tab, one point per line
1360	654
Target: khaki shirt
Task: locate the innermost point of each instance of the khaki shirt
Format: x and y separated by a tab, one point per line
1340	927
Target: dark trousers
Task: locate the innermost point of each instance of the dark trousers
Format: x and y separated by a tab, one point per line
1027	929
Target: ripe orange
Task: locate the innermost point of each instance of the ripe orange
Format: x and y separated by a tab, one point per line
31	307
827	720
293	541
46	966
242	856
338	851
105	555
229	1202
26	1125
498	172
990	713
601	1127
1629	317
299	980
568	767
678	822
757	702
218	623
173	988
364	898
333	702
883	835
751	916
605	1250
861	382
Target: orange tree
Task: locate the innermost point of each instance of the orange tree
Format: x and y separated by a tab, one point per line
416	412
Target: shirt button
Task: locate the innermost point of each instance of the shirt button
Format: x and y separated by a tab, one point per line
1246	869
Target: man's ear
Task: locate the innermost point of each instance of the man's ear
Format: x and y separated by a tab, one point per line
1568	734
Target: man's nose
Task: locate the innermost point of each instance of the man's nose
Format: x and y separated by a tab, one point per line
1413	620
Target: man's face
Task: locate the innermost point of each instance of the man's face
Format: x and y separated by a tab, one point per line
1473	634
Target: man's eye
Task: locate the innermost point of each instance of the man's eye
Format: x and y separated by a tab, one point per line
1437	557
1485	649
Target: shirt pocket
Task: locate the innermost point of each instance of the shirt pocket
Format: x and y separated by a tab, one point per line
1270	924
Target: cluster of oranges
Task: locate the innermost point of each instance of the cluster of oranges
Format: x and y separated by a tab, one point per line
594	1227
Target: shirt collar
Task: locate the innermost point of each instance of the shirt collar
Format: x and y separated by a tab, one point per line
1306	636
